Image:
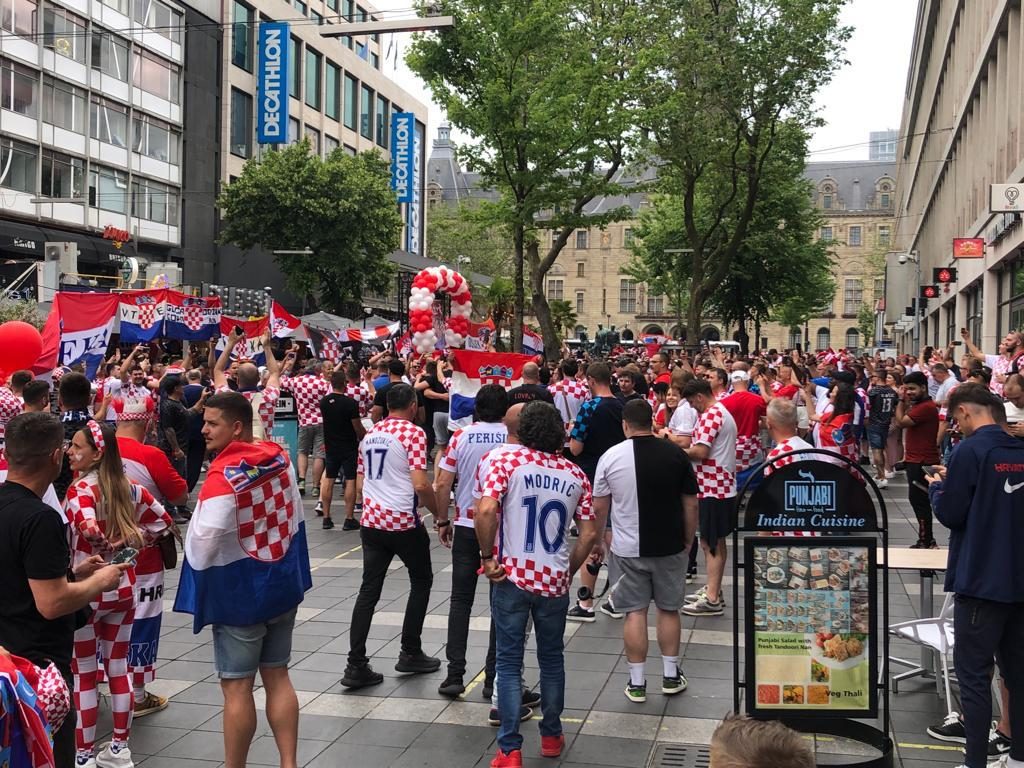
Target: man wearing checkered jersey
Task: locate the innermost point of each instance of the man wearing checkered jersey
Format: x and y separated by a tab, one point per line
393	463
537	493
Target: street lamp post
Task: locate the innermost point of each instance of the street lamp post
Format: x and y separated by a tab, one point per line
367	311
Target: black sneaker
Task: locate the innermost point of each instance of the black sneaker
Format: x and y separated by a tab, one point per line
350	525
328	524
361	677
319	509
636	693
670	686
951	729
417	663
494	719
357	508
931	544
579	613
488	688
609	610
531	699
452	686
302	488
997	743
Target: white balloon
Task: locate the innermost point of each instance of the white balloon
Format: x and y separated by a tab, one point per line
419	304
462	310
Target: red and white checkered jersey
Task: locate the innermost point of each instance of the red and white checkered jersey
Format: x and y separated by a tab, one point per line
10	406
716	475
787	446
268	400
309	389
88	530
484	467
387	454
569	395
748	451
466	449
539	493
362	396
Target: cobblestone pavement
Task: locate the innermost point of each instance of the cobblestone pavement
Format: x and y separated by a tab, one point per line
405	723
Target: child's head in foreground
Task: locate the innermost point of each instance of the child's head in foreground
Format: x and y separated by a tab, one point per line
740	742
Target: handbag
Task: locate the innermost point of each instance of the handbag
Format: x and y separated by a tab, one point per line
168	548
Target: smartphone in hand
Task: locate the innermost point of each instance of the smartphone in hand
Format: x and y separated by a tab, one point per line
125	555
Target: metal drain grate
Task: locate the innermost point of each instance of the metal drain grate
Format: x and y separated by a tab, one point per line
680	756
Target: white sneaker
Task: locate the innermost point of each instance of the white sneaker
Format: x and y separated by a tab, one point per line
702	594
890	475
107	758
882	483
90	763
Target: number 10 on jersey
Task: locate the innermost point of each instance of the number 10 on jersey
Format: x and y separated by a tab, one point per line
537	519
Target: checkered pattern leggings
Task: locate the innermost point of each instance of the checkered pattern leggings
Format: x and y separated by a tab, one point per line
109	630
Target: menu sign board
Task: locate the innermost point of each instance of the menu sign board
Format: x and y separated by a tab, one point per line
810	626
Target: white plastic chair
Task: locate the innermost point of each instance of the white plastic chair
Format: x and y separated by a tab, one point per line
935	633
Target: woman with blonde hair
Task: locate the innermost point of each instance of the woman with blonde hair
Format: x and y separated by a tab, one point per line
107	514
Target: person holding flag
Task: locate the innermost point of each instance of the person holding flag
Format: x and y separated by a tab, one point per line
246	570
247	378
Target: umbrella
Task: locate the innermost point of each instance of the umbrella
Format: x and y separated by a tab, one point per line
326	321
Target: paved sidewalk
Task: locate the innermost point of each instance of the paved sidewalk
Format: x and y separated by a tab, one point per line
404	722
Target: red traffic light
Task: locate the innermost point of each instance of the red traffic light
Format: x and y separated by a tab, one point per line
944	275
929	291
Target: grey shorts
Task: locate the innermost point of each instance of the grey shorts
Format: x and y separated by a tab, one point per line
661	579
441	433
311	441
238	652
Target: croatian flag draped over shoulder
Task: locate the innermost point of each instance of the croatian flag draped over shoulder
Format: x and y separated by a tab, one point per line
471	370
246	556
192	318
250	348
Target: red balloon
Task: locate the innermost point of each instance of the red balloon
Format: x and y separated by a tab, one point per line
20	345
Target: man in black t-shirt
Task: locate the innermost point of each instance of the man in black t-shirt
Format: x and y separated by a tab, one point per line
531	389
343	429
882	399
38	604
73	397
396	374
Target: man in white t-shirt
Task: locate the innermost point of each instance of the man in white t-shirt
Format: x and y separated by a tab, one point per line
537	491
466	449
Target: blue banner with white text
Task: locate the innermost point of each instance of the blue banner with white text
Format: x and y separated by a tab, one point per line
272	83
403	131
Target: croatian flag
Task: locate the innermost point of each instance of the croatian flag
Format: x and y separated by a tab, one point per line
77	330
251	347
471	370
192	318
533	343
246	557
283	323
373	335
142	315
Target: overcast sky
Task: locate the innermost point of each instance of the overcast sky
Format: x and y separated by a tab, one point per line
866	95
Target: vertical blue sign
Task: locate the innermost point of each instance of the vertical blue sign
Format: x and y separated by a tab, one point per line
272	84
403	128
414	211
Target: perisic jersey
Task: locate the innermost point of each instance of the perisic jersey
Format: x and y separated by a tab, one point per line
539	494
387	454
466	449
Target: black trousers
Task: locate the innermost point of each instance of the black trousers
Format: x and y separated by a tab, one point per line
919	501
985	629
465	563
195	454
64	739
412	547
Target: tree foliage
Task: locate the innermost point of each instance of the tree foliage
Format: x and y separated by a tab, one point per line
463	231
723	79
341	207
16	309
544	89
563	317
498	301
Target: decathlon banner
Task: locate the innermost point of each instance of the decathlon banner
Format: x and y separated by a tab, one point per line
77	330
142	315
191	318
272	83
471	370
403	130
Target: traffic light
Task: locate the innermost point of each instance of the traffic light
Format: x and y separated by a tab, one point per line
944	275
929	291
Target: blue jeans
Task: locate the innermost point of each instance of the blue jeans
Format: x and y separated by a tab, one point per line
511	608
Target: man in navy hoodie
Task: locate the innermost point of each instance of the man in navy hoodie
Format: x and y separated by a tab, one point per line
981	500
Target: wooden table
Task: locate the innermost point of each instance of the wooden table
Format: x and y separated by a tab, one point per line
926	562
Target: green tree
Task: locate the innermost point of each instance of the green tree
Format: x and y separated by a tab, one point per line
498	301
16	309
459	235
563	317
342	208
544	88
723	78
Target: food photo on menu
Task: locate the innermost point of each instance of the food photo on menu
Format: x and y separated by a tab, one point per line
811	626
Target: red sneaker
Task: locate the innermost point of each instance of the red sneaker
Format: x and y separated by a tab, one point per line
513	759
552	746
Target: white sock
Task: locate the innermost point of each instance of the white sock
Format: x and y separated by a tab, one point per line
670	665
636	673
140	694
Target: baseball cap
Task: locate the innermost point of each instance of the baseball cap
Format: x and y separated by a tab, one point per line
739	376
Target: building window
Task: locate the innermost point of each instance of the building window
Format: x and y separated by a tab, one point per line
330	144
655	305
19	88
316	17
18	16
351	102
62	175
826	234
579	302
314	139
374	60
879	288
581	269
63	105
64	33
294	129
346	14
382	121
582	239
823	337
885	199
852	338
853	295
855	236
108	189
300	6
108	122
242	30
156	139
332	5
110	54
826	201
155	202
366	112
313	63
627	297
294	67
160	18
241	123
154	75
332	91
556	289
627	237
883	234
18	164
794	338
